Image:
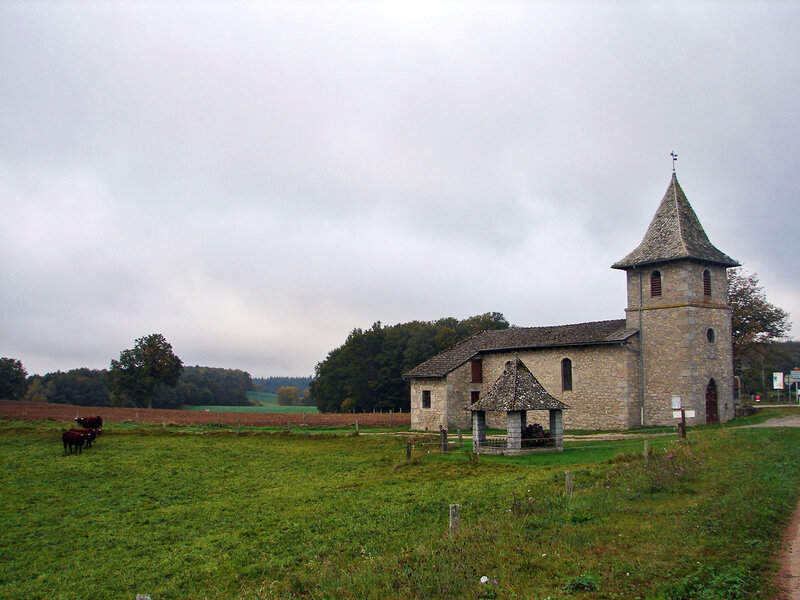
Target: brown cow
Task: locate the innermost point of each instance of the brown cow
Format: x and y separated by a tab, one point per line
88	434
90	422
74	440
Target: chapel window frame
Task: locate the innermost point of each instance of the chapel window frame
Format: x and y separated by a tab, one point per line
426	399
566	374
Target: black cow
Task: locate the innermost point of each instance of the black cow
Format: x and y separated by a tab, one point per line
88	434
74	441
90	422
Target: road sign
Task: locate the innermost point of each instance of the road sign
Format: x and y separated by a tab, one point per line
676	403
795	375
777	381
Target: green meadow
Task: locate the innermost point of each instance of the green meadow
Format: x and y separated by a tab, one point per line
263	402
257	515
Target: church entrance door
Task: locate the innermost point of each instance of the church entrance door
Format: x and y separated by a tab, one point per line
712	409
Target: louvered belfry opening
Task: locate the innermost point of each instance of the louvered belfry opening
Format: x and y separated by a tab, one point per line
707	283
655	284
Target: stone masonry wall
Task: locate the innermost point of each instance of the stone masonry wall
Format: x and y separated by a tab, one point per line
428	419
601	387
680	356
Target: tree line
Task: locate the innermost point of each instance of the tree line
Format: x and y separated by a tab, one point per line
366	372
196	386
271	385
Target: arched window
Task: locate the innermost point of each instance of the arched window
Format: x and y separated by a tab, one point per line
655	284
566	375
707	283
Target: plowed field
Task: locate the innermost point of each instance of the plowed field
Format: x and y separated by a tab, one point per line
66	412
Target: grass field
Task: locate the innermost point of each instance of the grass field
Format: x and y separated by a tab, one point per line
267	403
215	516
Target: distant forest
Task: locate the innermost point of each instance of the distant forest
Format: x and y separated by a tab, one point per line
271	385
196	386
366	372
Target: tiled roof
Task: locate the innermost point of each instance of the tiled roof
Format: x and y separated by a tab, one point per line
517	389
520	338
674	233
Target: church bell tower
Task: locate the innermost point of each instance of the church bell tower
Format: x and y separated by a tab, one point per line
678	301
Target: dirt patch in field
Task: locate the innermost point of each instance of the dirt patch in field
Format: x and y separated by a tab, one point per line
40	411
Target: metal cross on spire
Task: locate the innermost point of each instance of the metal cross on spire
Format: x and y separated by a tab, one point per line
674	158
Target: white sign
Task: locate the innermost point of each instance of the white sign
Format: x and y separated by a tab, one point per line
777	381
676	414
796	375
676	403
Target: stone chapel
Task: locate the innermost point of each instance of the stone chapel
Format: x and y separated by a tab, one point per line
675	340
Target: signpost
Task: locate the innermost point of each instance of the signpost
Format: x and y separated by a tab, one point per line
679	413
795	376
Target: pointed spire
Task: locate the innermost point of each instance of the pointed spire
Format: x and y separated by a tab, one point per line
674	233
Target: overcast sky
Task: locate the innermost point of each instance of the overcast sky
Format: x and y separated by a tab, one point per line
254	180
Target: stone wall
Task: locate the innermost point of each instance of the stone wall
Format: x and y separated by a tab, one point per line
686	340
604	383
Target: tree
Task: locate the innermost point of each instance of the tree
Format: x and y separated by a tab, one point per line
366	372
138	372
12	379
288	395
754	320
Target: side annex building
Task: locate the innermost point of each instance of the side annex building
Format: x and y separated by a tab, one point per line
675	340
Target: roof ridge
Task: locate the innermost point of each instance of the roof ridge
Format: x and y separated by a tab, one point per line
675	187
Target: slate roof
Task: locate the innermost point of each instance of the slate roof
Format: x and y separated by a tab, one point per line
517	389
674	233
522	338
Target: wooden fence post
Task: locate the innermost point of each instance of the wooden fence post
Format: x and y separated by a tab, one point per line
646	452
163	423
408	450
288	426
356	425
390	418
460	441
443	433
568	482
454	519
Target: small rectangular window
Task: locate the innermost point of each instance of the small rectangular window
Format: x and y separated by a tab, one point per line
475	397
426	398
477	370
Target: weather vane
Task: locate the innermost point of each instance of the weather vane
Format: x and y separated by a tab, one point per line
674	158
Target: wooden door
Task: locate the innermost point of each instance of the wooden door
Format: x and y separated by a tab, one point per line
712	408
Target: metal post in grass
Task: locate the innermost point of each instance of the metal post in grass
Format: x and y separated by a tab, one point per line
356	425
408	450
163	423
390	418
454	519
568	482
646	451
288	426
443	433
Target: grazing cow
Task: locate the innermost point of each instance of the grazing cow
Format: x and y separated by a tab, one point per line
90	422
88	434
74	440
